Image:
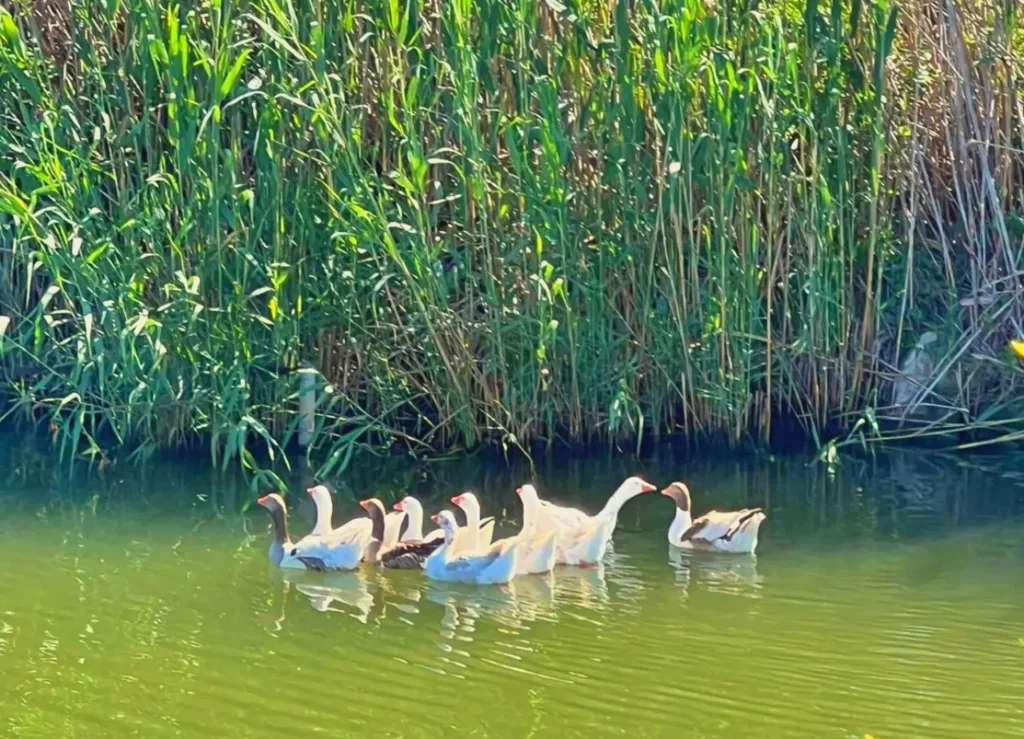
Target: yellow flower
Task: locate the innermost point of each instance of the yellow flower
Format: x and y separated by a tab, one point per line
1017	347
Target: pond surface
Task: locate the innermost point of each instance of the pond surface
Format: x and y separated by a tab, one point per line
887	600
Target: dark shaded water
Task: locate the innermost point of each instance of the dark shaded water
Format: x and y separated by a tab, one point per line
886	600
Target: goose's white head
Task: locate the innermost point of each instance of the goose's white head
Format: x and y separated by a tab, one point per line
409	505
320	495
528	494
531	502
446	520
468	503
414	516
324	508
634	486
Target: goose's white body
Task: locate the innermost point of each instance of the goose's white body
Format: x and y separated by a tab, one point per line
342	549
537	553
495	565
336	549
580	541
734	532
561	515
586	545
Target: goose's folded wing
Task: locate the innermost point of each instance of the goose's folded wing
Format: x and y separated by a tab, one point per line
536	540
353	535
468	564
564	516
501	546
743	518
410	554
569	537
716	525
321	556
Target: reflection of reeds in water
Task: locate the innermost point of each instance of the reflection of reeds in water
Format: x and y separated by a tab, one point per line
350	589
727	573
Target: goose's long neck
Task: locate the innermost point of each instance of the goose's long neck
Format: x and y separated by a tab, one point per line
473	524
614	505
377	522
441	553
529	514
680	524
415	518
324	513
281	542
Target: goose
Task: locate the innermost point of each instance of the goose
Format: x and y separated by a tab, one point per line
495	565
730	531
477	533
337	549
413	510
536	547
281	545
585	542
404	555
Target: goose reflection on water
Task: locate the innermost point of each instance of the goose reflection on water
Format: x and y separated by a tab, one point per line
735	574
584	587
349	589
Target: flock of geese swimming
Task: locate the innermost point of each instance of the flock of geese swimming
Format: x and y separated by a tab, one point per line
550	535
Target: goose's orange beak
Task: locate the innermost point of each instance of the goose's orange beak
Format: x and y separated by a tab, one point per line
435	519
263	500
399	507
647	487
457	500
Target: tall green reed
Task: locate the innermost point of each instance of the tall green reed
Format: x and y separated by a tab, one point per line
499	220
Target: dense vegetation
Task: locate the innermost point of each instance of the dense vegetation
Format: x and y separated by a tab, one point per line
503	220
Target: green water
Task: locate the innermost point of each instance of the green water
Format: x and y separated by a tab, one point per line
886	600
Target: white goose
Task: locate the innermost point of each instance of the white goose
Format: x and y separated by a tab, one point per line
413	509
476	534
495	565
584	542
536	547
337	549
734	532
281	545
